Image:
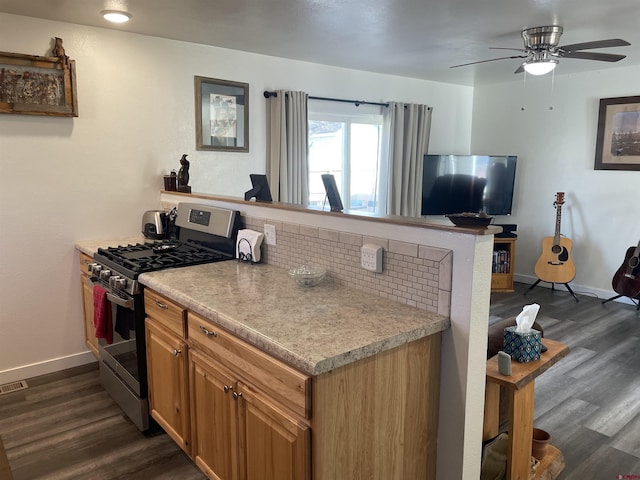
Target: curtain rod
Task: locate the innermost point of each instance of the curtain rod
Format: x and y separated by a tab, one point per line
357	103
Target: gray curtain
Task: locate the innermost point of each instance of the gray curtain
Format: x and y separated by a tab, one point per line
287	163
408	136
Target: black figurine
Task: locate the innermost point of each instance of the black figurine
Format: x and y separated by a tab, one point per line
183	175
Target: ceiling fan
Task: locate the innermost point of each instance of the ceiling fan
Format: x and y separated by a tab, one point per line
542	52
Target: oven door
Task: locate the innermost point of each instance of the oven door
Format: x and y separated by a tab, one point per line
125	356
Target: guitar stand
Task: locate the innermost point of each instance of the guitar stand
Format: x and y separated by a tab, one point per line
633	300
552	284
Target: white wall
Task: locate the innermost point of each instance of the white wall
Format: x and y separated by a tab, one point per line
91	177
551	125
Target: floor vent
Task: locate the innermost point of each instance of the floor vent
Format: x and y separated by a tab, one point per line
13	387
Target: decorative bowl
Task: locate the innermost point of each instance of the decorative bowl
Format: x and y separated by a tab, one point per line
469	219
307	276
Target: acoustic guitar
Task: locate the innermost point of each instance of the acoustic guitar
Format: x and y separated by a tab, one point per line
626	280
555	265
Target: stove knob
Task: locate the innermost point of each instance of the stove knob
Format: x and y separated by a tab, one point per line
91	266
117	282
105	274
95	269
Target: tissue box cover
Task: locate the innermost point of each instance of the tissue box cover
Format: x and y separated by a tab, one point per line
523	347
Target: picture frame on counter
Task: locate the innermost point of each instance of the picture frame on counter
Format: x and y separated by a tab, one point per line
222	115
38	85
618	140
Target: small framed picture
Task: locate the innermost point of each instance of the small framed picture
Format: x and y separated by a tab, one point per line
222	115
618	141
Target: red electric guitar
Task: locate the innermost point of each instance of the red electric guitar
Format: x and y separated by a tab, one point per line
626	280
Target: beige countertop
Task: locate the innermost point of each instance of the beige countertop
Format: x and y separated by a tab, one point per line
90	247
312	329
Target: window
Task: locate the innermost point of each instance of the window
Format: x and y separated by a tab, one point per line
346	141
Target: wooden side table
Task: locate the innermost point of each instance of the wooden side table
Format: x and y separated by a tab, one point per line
520	387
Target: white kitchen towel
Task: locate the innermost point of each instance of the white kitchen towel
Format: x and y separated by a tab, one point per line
248	245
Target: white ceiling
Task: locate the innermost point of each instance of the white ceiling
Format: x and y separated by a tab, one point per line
413	38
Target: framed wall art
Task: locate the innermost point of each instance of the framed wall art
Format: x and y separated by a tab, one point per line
34	85
618	141
222	115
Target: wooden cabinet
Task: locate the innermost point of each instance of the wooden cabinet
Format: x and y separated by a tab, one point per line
504	252
87	304
167	368
239	430
274	445
252	417
214	419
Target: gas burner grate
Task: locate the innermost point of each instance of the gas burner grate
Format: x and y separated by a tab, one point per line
150	257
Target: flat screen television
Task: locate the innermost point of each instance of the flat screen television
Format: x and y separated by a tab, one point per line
468	183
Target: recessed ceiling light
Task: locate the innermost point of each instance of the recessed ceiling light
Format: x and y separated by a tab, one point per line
116	16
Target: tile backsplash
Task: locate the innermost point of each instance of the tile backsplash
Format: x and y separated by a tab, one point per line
413	274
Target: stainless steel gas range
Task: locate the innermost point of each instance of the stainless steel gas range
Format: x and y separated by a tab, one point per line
202	234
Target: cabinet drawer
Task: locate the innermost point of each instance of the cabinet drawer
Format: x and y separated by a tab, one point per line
502	282
285	384
167	313
85	260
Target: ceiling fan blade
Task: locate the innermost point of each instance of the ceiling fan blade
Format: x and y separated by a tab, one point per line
507	48
612	42
490	60
520	69
602	57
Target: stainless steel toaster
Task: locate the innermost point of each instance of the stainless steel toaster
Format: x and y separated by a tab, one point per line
154	224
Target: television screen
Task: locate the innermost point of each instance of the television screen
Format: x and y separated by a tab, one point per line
468	183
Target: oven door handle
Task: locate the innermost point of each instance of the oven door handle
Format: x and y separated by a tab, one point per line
121	302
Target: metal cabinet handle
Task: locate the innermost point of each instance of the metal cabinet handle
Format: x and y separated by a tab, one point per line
226	388
237	395
176	352
161	305
209	333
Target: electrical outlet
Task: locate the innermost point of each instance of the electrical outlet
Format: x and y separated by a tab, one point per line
371	257
269	234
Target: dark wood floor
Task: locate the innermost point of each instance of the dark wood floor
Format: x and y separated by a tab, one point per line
65	426
590	400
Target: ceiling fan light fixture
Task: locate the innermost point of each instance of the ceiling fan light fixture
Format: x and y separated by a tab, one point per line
539	67
116	16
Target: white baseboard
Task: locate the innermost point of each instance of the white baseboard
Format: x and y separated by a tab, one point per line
578	289
48	366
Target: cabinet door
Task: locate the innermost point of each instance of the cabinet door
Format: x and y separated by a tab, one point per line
89	327
214	418
167	377
274	446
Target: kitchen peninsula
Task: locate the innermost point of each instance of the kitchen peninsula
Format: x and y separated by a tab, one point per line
456	264
363	389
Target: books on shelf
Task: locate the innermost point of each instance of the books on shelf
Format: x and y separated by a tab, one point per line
501	261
